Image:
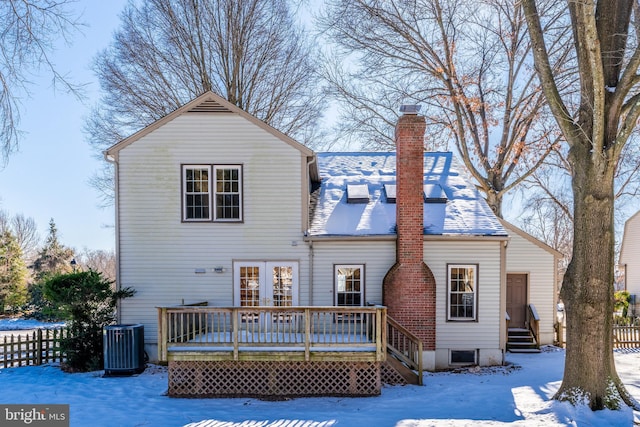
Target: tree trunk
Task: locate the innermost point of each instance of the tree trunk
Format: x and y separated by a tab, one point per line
494	200
587	289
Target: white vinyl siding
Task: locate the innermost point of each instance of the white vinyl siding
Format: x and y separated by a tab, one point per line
379	256
630	256
525	257
159	253
484	333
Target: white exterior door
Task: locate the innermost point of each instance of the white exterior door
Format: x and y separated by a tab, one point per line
265	283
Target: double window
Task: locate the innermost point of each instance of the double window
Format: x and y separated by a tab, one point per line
462	283
212	193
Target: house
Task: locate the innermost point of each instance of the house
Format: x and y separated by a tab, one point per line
214	206
629	254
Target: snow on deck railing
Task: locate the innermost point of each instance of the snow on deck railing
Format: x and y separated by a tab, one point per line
253	329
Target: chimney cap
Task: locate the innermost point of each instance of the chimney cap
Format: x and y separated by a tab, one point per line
410	108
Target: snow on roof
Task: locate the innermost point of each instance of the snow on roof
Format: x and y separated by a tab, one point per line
464	213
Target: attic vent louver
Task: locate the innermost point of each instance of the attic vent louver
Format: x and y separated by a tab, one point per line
433	193
390	192
357	193
209	106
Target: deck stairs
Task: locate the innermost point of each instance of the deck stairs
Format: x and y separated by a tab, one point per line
521	340
404	354
409	375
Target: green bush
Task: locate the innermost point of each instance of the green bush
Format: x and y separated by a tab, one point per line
622	300
87	301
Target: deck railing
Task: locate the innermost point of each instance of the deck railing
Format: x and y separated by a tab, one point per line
241	332
533	322
405	346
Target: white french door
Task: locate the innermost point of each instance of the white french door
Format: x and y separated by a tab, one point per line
265	283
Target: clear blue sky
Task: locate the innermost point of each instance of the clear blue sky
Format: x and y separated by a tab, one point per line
49	176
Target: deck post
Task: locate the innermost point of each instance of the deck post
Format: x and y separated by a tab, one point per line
381	334
307	334
162	334
235	314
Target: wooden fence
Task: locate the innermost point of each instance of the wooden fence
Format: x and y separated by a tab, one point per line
626	336
34	348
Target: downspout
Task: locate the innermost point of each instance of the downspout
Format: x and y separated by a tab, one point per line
306	233
113	160
311	272
503	333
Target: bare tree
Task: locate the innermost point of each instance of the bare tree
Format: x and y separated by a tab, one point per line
98	260
167	52
548	202
596	130
467	62
24	230
29	29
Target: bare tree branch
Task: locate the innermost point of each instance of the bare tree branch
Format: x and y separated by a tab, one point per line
468	63
28	30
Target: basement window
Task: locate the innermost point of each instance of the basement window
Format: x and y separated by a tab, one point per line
463	357
357	193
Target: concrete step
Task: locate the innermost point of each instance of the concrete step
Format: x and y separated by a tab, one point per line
524	350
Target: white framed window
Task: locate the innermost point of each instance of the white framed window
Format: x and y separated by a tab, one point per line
212	193
228	193
196	197
462	290
349	281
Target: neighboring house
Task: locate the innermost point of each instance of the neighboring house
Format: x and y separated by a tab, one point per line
214	205
629	255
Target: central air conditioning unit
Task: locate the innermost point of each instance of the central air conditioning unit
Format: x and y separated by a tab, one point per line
123	347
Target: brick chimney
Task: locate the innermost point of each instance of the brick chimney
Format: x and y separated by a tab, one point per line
409	288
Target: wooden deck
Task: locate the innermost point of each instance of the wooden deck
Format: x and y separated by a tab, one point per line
284	351
203	333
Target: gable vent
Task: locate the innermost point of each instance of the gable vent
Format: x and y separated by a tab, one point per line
357	193
209	106
433	193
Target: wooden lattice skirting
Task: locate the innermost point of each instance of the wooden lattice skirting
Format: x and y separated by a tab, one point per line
273	379
389	376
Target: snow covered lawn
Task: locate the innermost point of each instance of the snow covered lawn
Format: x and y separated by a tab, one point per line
515	395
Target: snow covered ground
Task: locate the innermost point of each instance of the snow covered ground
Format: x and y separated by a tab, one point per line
514	395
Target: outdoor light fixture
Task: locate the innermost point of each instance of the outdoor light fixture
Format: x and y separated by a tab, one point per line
218	269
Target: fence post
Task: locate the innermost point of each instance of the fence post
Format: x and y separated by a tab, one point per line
19	350
39	350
